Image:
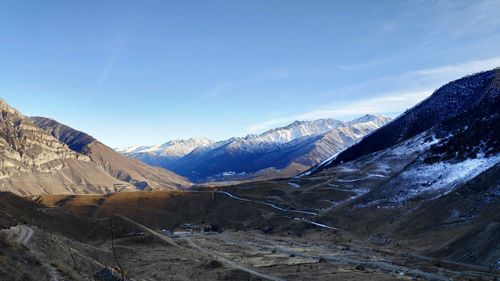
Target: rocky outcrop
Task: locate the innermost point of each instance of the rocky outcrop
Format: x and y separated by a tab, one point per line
25	147
34	162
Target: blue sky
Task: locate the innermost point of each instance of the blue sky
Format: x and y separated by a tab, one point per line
144	72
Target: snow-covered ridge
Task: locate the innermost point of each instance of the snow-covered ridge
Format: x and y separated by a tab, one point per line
175	148
270	138
302	129
367	121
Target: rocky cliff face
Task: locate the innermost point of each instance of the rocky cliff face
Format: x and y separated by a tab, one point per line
24	147
34	162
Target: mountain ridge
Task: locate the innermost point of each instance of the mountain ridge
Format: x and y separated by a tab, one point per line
32	161
445	103
288	150
118	166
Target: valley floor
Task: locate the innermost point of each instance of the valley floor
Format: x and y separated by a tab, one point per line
146	254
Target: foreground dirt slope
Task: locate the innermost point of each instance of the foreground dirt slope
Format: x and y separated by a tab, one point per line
290	250
59	246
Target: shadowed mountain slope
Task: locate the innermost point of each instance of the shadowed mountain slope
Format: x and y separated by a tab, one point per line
446	103
120	167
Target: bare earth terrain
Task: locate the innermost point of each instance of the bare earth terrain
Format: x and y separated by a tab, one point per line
298	248
243	255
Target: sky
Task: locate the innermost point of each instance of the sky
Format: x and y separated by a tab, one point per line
145	72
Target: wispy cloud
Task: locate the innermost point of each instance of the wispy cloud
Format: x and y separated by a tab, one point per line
460	69
115	49
364	65
223	87
410	88
448	18
478	17
388	103
106	70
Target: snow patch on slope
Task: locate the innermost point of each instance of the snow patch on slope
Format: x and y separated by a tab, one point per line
441	178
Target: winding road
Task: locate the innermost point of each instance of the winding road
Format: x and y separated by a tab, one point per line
24	235
266	204
283	210
21	234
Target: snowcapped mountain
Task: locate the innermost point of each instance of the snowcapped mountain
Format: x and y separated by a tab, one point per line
447	103
179	148
295	130
433	148
173	148
369	121
283	151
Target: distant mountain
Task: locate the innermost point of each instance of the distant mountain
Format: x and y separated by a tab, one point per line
164	154
280	152
174	148
132	171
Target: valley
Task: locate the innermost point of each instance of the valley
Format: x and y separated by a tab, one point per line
250	140
276	245
413	200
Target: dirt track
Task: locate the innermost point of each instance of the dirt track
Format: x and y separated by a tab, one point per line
21	234
227	262
271	258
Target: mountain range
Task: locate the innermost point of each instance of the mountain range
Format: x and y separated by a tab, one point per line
417	198
280	152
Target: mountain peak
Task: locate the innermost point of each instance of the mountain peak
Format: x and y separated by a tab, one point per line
377	119
174	148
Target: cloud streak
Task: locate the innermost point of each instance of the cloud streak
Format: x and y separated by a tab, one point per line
460	69
363	66
115	49
106	70
422	84
224	87
388	103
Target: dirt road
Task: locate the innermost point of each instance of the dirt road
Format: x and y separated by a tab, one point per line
227	262
230	263
21	234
